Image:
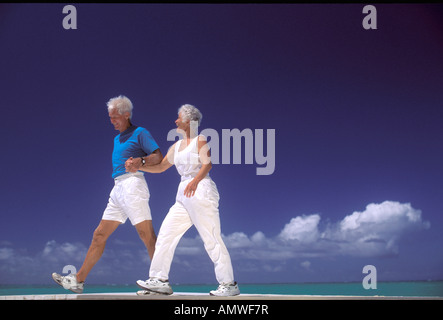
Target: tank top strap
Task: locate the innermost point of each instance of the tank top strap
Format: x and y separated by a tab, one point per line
177	145
195	144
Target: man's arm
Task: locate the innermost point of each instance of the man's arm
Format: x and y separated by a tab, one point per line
154	158
133	165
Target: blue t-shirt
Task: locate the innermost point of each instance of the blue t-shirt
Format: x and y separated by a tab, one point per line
133	142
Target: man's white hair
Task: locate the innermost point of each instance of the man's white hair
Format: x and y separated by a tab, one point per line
190	113
122	104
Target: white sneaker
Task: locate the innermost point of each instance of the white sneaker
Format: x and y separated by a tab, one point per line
155	285
147	293
226	290
69	282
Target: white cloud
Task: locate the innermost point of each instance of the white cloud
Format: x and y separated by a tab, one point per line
373	232
238	240
376	230
18	266
63	253
190	246
6	253
305	264
303	229
389	215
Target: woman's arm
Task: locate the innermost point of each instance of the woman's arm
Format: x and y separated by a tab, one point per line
133	165
205	158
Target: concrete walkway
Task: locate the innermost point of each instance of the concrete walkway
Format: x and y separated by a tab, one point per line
202	296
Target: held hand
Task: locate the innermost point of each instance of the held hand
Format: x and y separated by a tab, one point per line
190	188
132	165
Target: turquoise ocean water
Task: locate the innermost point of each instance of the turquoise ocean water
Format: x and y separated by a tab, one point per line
407	288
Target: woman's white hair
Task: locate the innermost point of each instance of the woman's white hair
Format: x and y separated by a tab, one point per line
190	113
122	104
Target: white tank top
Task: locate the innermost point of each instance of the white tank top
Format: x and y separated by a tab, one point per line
187	161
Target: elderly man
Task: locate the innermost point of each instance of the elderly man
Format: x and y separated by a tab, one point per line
130	196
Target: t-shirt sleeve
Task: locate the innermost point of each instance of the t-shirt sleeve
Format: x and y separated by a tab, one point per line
147	142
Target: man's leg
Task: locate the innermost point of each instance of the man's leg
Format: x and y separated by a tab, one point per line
95	251
146	232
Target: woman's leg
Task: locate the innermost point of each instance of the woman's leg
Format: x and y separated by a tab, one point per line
175	224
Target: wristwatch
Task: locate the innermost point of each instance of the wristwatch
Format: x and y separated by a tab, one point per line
143	161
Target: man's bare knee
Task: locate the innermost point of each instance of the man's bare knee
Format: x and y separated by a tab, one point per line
145	231
99	238
103	231
146	235
141	233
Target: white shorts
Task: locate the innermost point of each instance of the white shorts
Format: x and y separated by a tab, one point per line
129	199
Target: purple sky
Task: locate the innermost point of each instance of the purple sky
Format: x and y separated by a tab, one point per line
357	116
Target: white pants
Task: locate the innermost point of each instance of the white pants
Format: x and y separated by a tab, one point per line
200	210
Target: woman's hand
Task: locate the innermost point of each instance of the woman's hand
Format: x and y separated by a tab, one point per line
191	187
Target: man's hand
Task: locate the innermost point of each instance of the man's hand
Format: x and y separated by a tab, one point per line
132	165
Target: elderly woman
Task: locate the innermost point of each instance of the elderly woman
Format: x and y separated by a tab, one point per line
196	204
